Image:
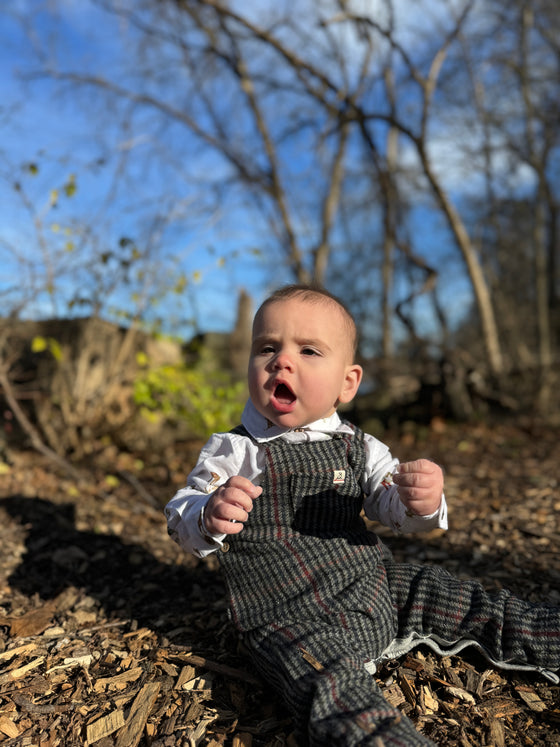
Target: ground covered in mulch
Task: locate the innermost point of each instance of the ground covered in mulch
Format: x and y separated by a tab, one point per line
109	635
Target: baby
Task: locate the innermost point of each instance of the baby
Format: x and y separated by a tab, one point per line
316	597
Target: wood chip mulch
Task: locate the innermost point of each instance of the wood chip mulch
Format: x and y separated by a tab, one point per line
111	637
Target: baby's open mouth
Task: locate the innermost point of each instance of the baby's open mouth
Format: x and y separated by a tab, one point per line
284	395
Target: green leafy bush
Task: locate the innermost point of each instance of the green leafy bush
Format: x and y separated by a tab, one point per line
204	402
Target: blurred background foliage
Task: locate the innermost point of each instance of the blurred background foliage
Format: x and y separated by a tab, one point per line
166	163
204	398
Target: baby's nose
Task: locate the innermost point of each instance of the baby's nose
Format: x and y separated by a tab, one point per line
283	360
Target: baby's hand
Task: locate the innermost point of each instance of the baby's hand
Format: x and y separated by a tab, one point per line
420	486
229	506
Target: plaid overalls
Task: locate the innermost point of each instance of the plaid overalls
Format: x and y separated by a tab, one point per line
315	595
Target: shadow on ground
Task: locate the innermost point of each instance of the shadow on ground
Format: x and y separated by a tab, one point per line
126	580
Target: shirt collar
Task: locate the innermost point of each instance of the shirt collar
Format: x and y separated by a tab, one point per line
263	430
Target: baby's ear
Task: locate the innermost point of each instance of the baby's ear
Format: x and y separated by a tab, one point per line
352	380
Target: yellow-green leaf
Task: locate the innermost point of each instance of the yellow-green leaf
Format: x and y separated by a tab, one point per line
70	186
55	348
181	284
38	345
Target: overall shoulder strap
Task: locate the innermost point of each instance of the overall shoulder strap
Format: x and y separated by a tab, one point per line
356	450
240	430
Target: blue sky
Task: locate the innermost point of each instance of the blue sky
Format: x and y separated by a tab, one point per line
41	125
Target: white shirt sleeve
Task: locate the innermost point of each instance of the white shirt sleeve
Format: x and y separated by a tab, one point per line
223	456
382	502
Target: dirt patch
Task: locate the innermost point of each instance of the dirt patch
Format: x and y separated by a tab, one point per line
110	635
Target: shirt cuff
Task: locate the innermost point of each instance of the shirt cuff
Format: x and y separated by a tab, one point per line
214	540
437	520
186	527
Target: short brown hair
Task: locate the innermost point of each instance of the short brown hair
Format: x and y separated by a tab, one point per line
314	293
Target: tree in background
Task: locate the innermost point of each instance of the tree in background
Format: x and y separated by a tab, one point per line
503	84
377	149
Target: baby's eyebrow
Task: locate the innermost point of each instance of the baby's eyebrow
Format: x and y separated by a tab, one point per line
261	339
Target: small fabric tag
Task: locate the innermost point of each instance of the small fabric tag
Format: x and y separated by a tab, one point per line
339	476
213	484
387	481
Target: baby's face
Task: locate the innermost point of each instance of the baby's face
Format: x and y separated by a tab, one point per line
301	362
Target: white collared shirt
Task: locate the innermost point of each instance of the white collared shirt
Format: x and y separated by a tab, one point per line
229	454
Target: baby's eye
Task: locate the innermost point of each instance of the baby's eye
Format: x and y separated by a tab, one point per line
267	349
309	351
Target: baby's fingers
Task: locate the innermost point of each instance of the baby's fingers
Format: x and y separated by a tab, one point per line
418	466
242	483
421	473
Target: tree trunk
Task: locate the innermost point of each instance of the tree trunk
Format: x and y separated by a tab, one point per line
474	268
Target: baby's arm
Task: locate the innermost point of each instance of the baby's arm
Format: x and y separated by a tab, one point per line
199	515
400	496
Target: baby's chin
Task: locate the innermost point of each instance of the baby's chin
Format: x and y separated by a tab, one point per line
280	419
290	419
